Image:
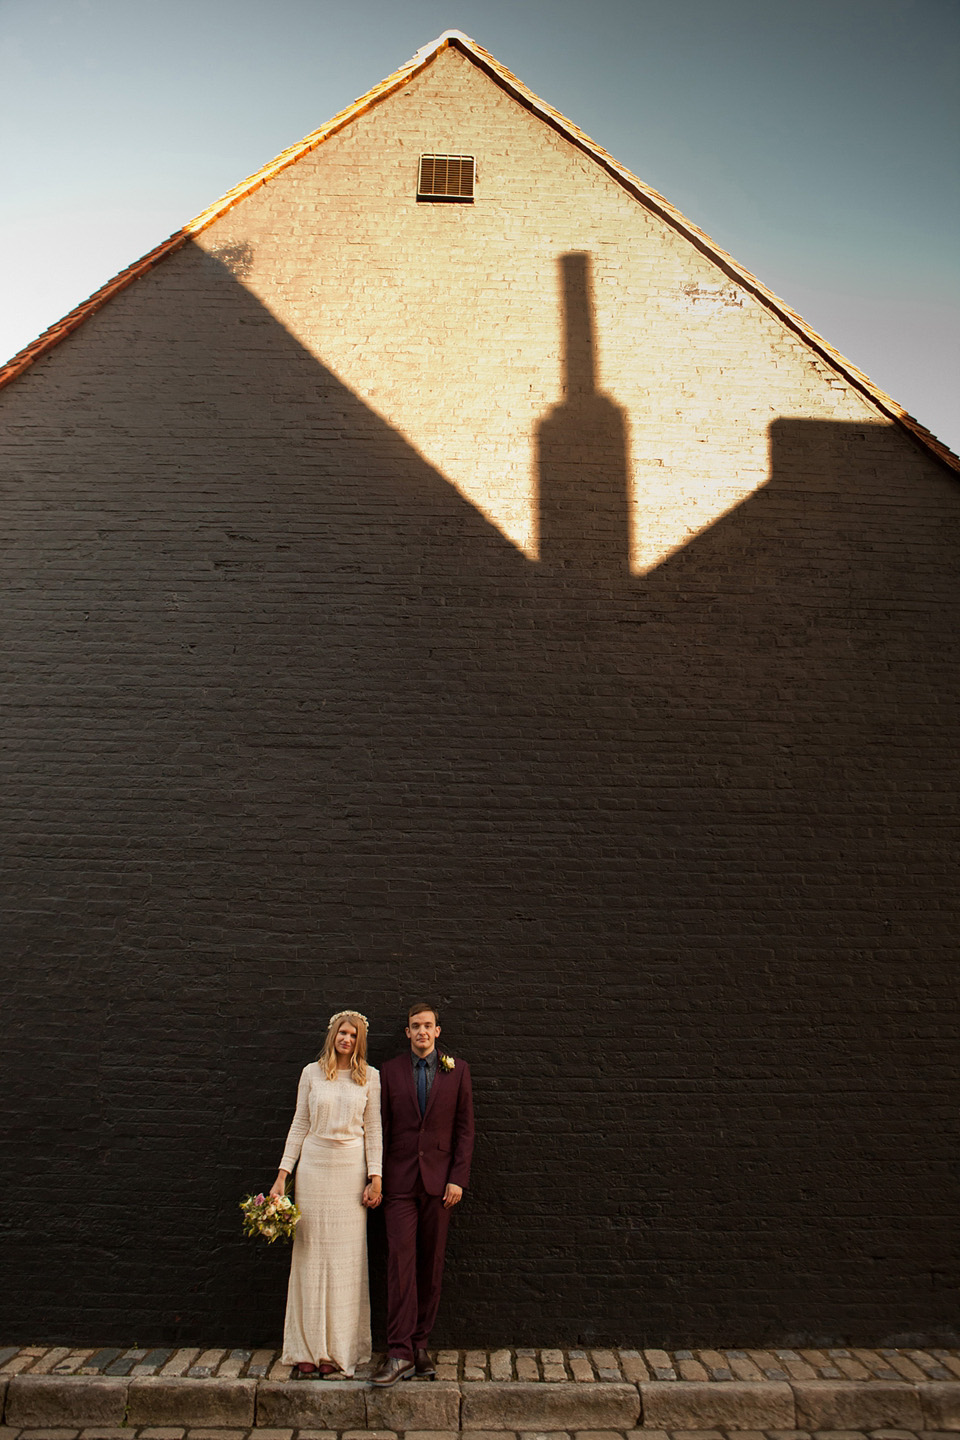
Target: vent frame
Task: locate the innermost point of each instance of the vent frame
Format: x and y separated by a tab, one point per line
447	179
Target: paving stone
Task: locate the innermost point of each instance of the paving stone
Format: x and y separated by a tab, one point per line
692	1370
824	1368
52	1357
838	1435
703	1405
474	1372
7	1352
162	1432
643	1434
544	1435
126	1362
432	1435
173	1400
501	1435
476	1358
316	1434
72	1362
789	1434
906	1367
8	1432
501	1365
699	1435
261	1433
413	1406
893	1435
554	1373
104	1432
839	1405
605	1360
661	1364
260	1362
854	1369
526	1406
97	1360
927	1363
632	1366
940	1401
369	1434
598	1435
71	1400
446	1372
716	1364
215	1433
18	1363
57	1433
448	1357
951	1362
743	1367
179	1362
333	1405
796	1368
527	1367
582	1370
551	1357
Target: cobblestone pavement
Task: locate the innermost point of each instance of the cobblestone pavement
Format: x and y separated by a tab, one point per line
584	1366
173	1432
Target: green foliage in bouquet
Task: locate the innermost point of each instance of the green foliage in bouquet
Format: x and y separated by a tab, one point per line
269	1217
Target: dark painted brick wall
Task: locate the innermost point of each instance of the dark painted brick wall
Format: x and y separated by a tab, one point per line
289	726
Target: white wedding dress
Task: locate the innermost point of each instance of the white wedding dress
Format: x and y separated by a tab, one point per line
337	1140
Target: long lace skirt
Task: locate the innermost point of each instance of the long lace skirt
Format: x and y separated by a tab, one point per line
328	1297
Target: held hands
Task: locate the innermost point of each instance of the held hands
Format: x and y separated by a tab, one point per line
372	1193
452	1195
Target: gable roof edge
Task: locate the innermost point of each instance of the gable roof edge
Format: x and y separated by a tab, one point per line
645	194
699	238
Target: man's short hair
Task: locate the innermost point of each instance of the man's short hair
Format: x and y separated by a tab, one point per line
419	1007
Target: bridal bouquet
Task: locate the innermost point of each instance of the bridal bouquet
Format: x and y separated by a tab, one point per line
269	1216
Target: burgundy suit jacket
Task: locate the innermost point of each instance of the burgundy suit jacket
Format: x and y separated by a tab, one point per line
437	1148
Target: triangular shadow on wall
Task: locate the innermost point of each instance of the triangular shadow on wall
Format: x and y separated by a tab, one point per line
314	733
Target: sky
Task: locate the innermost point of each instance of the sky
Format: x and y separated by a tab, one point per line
818	141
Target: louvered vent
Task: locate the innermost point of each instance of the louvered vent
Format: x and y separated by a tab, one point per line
446	177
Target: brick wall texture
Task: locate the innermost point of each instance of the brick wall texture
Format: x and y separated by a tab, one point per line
495	601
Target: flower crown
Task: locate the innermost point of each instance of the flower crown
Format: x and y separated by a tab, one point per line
348	1015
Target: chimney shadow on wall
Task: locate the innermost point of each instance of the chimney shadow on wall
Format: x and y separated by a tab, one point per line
582	455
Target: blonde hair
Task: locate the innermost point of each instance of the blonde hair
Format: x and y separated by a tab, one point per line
358	1060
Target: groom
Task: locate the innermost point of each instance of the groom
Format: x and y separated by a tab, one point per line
427	1108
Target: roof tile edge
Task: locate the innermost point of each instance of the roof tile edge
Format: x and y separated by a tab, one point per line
526	97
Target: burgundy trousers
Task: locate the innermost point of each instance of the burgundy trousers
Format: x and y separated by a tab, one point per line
417	1228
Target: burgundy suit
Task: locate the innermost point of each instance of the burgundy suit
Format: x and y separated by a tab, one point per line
420	1158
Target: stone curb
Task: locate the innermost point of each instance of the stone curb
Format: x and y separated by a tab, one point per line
320	1405
155	1400
414	1405
825	1405
75	1401
940	1401
516	1405
712	1405
42	1401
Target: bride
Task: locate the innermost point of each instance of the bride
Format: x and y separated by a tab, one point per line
336	1137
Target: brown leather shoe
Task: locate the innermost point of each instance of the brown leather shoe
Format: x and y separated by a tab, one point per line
424	1366
394	1368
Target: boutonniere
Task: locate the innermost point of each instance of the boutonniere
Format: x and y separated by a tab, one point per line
447	1062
